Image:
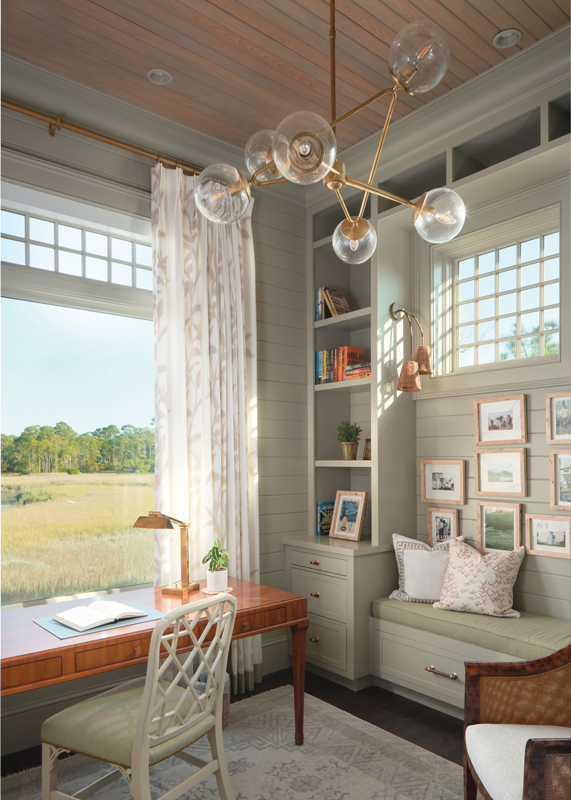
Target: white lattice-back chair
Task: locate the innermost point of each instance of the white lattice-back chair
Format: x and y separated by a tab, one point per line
142	722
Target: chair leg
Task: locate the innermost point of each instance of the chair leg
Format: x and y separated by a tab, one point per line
49	771
470	788
217	747
139	783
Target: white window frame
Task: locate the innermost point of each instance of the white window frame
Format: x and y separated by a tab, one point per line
443	285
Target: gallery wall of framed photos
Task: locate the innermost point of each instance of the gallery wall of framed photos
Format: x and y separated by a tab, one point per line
515	452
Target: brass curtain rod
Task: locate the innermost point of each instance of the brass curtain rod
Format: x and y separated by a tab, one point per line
56	123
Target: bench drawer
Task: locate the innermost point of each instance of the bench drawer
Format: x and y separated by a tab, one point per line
405	662
318	563
329	645
326	595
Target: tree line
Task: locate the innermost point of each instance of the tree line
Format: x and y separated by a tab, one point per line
43	449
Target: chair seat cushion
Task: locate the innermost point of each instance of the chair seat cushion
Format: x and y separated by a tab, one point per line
497	753
531	636
104	727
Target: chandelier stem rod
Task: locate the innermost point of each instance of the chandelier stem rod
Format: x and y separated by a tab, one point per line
332	76
361	106
379	148
379	192
343	206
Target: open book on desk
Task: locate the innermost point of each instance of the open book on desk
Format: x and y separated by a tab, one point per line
101	612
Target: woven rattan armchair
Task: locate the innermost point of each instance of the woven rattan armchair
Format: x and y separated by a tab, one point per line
517	729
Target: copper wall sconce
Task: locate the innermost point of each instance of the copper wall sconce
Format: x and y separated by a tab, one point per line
156	520
421	361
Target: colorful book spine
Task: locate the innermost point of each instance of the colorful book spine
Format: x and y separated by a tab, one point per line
324	517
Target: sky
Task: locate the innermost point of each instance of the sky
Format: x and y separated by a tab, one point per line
87	369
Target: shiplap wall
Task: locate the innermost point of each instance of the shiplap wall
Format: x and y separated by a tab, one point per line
445	429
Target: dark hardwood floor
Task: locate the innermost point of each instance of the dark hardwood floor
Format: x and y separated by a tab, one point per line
432	730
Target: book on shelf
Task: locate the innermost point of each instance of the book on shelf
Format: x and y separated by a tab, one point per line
100	612
358	375
334	365
338	301
329	303
324	517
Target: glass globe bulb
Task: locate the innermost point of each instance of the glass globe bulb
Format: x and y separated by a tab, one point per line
442	216
419	56
222	193
258	152
304	147
354	250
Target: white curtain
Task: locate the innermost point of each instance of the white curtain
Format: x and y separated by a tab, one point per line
206	465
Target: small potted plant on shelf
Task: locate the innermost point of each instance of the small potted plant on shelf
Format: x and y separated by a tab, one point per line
349	434
217	559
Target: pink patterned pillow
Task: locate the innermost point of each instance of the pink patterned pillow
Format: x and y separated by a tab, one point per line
480	583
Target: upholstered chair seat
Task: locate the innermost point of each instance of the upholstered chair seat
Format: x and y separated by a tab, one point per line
497	753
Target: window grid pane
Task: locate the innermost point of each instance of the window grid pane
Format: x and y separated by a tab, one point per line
521	282
31	241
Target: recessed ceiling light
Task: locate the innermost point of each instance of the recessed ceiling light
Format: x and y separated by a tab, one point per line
508	38
159	77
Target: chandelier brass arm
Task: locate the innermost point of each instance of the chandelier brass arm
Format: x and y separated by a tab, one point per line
380	147
367	187
361	106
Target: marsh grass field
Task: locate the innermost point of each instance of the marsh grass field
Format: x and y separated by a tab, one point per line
500	530
63	534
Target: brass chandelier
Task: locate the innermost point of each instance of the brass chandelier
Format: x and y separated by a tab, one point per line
303	150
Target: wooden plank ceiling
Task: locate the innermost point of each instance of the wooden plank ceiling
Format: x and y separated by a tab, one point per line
240	67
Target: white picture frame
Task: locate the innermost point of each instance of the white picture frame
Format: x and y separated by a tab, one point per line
500	420
500	473
558	417
543	533
442	480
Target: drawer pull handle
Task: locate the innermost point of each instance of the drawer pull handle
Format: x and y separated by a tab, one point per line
314	563
431	668
137	651
315	639
245	626
314	594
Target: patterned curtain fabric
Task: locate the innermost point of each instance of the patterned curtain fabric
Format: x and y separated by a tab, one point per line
206	389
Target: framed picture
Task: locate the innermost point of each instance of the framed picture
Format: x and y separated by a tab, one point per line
442	480
500	472
558	417
500	420
441	525
546	535
367	450
499	526
560	479
347	520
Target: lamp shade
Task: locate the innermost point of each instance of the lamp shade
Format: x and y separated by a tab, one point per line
222	193
304	147
439	215
354	243
419	57
258	153
409	380
423	358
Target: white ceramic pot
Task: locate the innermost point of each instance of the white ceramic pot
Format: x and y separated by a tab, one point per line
217	581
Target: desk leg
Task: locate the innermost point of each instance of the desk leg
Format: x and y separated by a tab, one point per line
298	653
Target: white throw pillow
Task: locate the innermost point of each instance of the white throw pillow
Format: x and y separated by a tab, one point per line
480	583
421	569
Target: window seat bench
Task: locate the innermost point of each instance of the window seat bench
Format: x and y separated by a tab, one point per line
408	639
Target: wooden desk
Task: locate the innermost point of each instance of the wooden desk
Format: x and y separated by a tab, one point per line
32	657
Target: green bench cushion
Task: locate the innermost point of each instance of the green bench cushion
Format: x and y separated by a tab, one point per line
531	636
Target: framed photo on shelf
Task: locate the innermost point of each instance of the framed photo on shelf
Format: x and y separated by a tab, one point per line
500	472
347	520
558	417
442	481
500	420
499	526
546	535
560	479
441	525
367	450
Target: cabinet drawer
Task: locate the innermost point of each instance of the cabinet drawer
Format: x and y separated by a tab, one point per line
112	654
39	670
330	649
405	662
331	600
318	563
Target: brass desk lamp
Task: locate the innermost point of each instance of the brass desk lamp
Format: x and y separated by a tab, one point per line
158	520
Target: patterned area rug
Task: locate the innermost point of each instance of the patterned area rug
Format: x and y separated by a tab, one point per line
343	758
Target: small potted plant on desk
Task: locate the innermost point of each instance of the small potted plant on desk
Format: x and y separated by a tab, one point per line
349	434
217	560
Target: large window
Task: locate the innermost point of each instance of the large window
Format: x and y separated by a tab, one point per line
77	403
